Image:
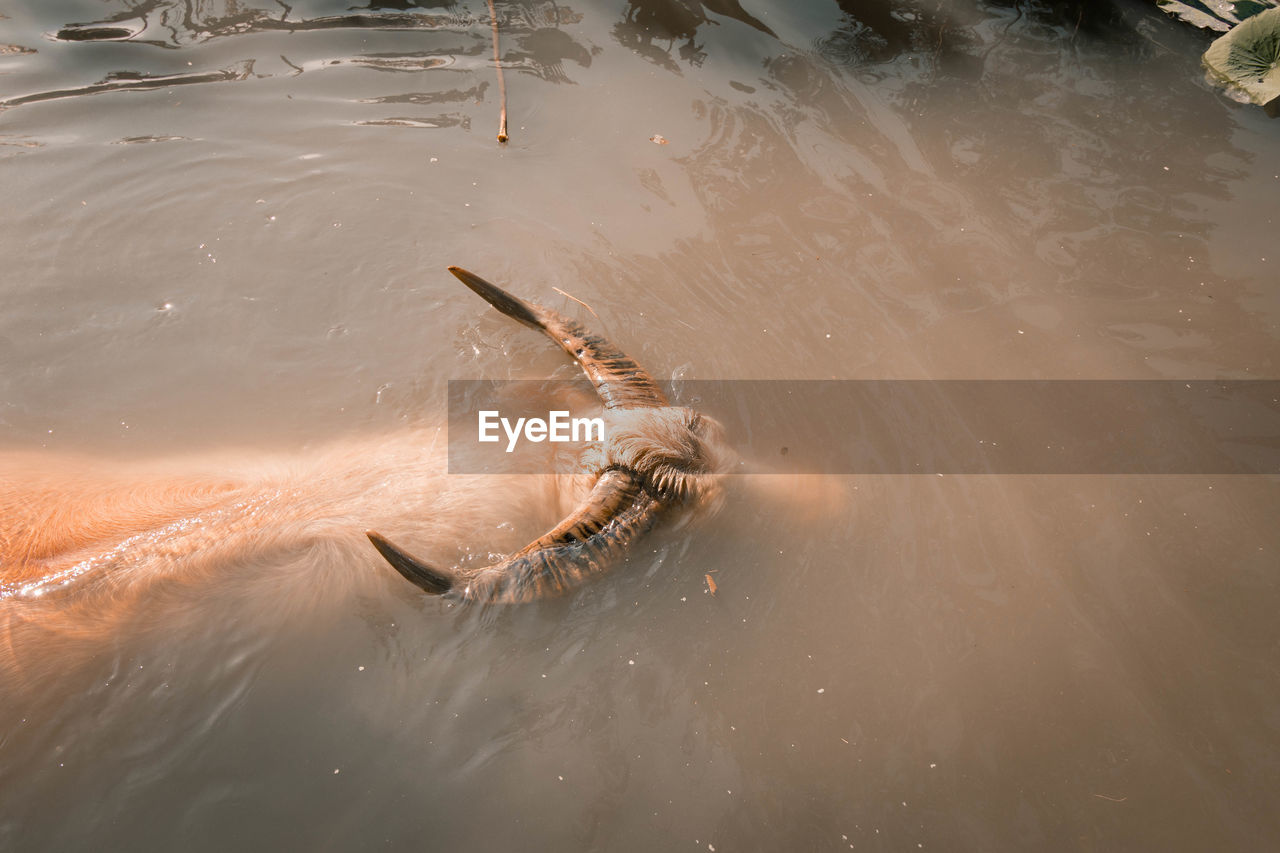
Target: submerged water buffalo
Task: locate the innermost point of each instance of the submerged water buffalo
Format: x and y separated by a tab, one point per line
656	456
85	545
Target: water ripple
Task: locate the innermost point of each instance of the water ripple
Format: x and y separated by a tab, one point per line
132	81
195	29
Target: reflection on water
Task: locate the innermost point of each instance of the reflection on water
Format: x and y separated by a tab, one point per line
125	81
171	23
891	190
649	23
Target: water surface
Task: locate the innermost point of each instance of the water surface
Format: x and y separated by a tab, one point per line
225	232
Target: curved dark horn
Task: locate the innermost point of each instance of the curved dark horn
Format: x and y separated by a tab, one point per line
620	382
586	543
414	570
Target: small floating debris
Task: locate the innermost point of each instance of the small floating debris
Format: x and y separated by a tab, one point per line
1246	61
658	139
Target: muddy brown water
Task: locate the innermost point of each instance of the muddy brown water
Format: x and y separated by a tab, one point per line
245	258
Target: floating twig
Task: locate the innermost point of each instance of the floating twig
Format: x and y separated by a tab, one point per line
577	300
502	84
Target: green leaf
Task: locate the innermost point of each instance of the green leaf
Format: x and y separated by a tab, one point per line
1247	60
1249	8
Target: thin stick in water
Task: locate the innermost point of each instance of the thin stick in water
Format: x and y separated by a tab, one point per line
502	85
580	302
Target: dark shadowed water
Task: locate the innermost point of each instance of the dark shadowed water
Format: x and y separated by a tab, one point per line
224	230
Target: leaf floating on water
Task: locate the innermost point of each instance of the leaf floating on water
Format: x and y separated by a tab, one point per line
658	139
1247	60
711	584
1220	15
1196	15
